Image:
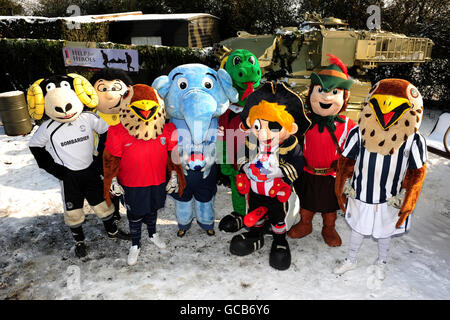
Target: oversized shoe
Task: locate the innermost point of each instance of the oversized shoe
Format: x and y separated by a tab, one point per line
245	243
304	227
280	255
329	232
232	222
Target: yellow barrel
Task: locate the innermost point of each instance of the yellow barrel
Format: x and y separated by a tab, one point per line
14	113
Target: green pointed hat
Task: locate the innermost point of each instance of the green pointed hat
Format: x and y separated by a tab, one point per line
333	76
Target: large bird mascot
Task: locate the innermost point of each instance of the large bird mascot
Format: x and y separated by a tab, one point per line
382	169
137	152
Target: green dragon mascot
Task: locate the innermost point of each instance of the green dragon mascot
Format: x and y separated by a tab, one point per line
243	67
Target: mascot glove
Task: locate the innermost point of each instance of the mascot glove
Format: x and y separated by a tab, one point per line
280	189
348	189
242	183
172	184
397	201
116	189
227	169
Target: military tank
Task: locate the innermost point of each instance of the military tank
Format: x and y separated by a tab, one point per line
293	53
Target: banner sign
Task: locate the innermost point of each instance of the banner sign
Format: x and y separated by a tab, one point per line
101	58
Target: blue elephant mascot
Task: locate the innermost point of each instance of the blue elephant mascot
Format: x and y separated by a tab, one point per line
195	96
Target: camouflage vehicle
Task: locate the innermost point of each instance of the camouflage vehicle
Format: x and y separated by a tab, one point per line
292	54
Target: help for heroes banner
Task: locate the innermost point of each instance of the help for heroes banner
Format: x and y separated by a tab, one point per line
101	58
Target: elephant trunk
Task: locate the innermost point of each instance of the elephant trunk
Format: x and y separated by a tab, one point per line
198	108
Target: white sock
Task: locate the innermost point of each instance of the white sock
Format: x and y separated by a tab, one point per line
383	248
356	240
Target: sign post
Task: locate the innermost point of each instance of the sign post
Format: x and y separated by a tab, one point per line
101	58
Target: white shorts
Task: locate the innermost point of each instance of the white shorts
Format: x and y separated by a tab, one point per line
377	220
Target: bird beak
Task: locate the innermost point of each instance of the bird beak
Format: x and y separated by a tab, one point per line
145	109
388	109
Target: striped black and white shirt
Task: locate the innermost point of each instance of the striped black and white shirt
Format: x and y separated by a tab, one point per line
376	178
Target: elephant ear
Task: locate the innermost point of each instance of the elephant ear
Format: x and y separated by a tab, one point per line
162	85
227	85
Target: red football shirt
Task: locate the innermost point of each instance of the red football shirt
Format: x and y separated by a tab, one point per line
318	147
143	163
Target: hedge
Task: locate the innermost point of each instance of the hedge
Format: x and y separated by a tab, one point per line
43	28
23	61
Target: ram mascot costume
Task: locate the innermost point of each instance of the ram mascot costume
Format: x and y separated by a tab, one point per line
195	96
69	135
243	67
382	169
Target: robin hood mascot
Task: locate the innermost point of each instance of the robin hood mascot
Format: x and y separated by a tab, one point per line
69	134
138	152
382	169
270	163
245	72
323	142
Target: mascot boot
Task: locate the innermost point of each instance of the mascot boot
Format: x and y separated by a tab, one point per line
245	243
304	227
280	254
329	232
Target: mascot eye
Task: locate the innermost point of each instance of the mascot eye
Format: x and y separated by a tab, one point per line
117	87
182	83
236	60
64	84
50	86
335	91
207	83
251	60
319	89
102	88
257	125
125	95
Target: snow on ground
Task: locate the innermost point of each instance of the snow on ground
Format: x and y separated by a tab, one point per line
37	258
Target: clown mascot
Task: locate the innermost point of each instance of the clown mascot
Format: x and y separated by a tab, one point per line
245	72
69	135
111	85
270	164
382	169
195	96
328	96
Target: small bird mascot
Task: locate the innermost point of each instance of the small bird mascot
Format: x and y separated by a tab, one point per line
322	145
137	152
382	169
243	67
271	161
69	134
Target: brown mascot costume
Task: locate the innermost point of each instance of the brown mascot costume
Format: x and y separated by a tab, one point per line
382	169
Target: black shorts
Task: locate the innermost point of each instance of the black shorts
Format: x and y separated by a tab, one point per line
80	185
140	201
